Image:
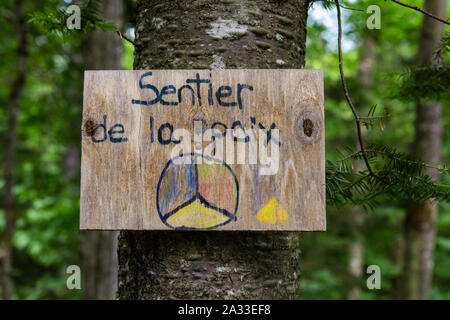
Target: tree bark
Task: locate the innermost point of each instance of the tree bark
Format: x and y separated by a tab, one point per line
17	87
214	264
420	222
103	51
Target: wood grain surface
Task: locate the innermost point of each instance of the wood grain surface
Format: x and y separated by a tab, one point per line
134	177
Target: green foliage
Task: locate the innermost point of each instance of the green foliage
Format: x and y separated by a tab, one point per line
53	20
128	55
47	200
429	83
425	83
397	176
444	47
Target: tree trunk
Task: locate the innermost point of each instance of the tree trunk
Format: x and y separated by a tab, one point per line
213	264
17	87
103	51
420	222
357	214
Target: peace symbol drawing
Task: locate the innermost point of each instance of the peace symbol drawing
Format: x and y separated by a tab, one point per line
197	192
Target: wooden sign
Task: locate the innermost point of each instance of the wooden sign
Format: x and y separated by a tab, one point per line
203	150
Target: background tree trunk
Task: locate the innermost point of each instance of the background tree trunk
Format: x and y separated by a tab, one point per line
420	222
356	214
103	51
17	87
220	265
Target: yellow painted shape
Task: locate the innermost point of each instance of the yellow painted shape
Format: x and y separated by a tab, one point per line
282	214
272	212
196	215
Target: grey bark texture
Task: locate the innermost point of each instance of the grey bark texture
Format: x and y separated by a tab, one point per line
103	51
17	86
205	34
420	222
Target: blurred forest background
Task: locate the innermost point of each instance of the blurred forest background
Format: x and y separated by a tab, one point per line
42	79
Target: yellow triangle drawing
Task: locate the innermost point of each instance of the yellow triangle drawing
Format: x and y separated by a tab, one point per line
196	215
272	212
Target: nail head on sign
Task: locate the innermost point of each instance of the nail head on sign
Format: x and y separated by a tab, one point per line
199	117
308	126
89	126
